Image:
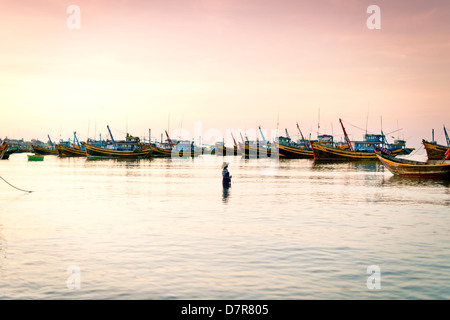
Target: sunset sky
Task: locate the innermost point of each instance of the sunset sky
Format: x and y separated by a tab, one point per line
231	64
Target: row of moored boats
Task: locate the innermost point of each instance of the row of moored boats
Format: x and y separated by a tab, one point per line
372	147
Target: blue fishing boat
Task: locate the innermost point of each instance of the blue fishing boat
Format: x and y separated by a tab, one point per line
359	150
71	149
302	148
257	148
175	148
130	148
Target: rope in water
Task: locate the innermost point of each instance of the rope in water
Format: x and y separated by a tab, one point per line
15	186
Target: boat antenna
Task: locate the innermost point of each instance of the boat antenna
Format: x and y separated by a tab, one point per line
318	123
168	122
234	140
278	121
181	126
367	117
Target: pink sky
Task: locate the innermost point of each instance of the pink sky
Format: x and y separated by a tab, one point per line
228	63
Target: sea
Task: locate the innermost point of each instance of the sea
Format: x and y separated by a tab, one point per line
166	229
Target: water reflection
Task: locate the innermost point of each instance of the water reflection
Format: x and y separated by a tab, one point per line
400	181
2	247
226	194
365	166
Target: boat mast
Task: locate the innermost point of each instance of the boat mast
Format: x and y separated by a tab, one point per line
303	138
383	136
51	143
346	136
264	139
76	139
243	141
235	144
112	139
287	134
170	141
446	137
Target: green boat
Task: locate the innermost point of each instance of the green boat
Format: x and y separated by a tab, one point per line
33	157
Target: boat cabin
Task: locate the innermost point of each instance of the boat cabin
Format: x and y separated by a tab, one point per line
325	139
371	141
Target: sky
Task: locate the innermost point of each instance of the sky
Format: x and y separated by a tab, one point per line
226	65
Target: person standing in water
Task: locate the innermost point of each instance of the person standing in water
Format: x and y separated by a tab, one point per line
226	178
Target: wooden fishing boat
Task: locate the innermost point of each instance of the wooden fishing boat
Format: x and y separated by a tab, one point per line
130	148
45	150
222	150
257	149
326	153
185	148
3	149
208	149
15	146
287	148
71	149
301	148
12	149
436	151
174	148
121	150
358	150
409	168
99	152
160	149
290	149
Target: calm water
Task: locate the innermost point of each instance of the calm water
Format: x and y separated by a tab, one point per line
166	229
